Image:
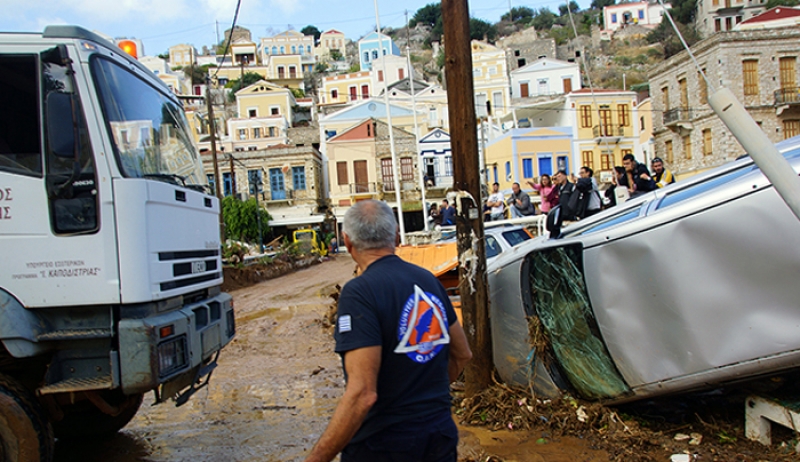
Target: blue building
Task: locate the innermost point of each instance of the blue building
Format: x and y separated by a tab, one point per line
373	46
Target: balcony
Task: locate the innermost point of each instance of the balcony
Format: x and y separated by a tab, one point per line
679	119
787	96
608	133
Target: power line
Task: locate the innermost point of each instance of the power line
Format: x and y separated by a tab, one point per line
230	36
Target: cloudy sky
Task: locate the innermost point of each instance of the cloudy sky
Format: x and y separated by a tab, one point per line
162	23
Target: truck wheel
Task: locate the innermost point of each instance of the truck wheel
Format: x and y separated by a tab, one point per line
25	433
84	419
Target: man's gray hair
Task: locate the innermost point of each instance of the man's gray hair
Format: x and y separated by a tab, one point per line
371	224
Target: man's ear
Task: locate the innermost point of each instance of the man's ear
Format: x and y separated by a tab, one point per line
347	242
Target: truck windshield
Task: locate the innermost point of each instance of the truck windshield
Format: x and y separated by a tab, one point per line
149	129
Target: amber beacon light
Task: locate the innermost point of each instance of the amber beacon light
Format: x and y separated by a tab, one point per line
129	46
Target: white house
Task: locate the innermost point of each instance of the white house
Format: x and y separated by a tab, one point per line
648	14
545	77
437	158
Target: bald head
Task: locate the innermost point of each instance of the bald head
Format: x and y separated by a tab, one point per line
371	224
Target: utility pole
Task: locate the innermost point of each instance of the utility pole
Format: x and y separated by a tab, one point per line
233	177
212	130
467	179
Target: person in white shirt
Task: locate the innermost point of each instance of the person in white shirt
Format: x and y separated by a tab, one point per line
497	203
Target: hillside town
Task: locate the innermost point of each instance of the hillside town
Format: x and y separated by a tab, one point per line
538	239
302	119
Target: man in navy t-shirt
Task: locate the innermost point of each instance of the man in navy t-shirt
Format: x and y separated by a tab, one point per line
401	346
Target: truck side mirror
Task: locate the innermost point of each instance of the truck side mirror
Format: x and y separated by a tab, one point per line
60	126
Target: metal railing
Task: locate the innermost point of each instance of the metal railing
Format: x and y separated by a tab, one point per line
678	114
608	130
787	95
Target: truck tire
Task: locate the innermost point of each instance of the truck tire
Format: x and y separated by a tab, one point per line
25	433
84	420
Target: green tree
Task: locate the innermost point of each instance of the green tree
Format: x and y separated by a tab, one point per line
599	4
241	219
544	19
336	55
197	73
429	14
682	11
311	30
247	79
573	7
518	14
297	93
774	3
478	29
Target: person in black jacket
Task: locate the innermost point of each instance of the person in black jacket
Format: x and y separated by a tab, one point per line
637	178
567	196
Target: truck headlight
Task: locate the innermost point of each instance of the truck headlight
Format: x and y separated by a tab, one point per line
172	356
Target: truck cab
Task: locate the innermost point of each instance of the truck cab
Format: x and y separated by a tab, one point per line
109	237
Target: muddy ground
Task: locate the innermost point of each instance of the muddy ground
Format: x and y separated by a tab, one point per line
278	382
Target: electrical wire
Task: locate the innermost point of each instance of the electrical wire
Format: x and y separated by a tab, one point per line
230	36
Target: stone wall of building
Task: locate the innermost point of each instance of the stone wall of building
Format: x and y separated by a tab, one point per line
721	55
524	47
304	136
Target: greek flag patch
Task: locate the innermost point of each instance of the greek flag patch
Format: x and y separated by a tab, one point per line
345	324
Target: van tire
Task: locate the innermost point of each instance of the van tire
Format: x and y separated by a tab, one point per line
25	433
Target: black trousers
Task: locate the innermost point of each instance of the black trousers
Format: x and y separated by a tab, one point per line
430	440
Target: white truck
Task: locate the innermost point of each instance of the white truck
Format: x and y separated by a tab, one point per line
109	242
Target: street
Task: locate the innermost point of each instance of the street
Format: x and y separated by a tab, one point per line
277	385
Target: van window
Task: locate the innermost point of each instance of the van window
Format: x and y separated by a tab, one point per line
20	135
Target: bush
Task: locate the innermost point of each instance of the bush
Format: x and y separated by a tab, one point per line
241	219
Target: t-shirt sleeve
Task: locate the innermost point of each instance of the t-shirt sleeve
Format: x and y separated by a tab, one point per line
451	312
357	324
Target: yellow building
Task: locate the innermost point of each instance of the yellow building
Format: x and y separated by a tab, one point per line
263	116
644	127
290	42
524	154
244	51
284	71
490	78
346	88
182	55
330	40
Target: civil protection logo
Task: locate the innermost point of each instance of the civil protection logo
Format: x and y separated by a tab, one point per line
423	328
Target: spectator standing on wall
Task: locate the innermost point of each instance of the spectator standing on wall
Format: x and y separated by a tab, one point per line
547	191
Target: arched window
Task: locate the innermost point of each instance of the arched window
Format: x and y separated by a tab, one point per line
274	50
283	50
374	54
294	50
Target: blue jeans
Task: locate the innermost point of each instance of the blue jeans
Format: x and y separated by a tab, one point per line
430	440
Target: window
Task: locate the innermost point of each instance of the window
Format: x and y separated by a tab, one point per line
497	101
433	117
641	14
227	183
292	72
670	157
252	113
527	168
687	146
283	50
707	147
791	128
701	83
476	72
492	70
613	18
586	116
407	169
750	76
341	173
299	178
605	120
294	50
275	110
788	79
448	165
281	72
274	50
366	56
242	133
623	115
252	148
302	50
641	123
334	94
374	54
606	160
380	76
684	91
717	23
308	49
665	98
587	159
271	132
211	183
257	133
508	171
365	91
401	74
387	175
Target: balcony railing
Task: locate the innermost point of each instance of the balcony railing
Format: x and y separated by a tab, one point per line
788	95
358	188
679	114
610	130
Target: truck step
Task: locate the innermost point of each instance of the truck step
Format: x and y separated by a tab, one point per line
78	384
75	334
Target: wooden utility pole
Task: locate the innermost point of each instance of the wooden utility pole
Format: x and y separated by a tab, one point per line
212	130
467	179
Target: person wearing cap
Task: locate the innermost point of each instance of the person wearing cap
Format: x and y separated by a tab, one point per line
661	176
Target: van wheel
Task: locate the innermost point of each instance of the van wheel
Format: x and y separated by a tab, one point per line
25	433
84	419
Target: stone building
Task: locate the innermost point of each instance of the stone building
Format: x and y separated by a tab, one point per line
524	47
759	66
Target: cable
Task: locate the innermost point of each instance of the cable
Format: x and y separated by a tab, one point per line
230	36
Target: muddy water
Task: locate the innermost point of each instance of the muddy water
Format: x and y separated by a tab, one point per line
276	386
